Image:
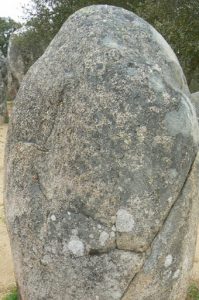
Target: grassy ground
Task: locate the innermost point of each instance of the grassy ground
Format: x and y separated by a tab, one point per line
12	295
193	292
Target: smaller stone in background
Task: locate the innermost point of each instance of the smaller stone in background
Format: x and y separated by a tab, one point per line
3	78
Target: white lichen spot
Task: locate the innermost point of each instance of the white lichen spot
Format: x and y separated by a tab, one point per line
104	236
154	109
109	42
170	199
53	218
176	274
76	246
69	213
91	236
120	189
173	173
167	98
45	260
168	261
99	226
113	228
157	68
124	221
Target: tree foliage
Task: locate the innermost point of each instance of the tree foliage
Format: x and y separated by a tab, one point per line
7	27
176	20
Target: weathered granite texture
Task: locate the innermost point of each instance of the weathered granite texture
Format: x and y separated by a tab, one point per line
101	173
3	78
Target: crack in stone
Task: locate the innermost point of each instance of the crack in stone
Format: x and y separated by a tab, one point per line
41	187
132	279
35	145
174	203
161	228
60	101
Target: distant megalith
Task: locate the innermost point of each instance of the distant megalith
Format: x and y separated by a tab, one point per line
16	64
3	78
101	165
21	55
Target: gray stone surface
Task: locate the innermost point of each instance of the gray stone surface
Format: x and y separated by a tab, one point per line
101	146
3	78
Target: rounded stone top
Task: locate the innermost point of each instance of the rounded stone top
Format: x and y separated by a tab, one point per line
106	115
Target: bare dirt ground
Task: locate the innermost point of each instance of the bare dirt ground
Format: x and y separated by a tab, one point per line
7	280
195	270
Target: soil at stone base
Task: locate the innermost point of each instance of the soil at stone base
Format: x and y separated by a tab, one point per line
7	280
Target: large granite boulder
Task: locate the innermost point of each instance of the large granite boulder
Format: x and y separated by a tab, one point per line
101	182
3	79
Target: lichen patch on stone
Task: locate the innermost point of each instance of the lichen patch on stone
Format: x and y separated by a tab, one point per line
124	221
76	247
104	236
168	261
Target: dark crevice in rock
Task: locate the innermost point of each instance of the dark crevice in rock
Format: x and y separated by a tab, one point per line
85	215
148	252
35	145
60	101
41	188
131	280
98	252
174	203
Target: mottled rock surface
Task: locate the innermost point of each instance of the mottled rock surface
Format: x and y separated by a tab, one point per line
101	183
3	78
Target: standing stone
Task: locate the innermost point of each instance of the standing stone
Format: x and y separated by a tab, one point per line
101	182
16	66
20	57
3	76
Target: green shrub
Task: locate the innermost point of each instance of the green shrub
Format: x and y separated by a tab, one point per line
12	295
193	292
